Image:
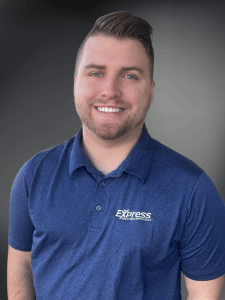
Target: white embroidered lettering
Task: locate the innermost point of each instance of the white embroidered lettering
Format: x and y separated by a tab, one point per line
136	215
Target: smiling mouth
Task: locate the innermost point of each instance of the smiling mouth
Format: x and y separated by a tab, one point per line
109	109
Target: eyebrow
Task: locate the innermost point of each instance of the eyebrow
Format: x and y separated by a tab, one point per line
94	66
133	68
102	67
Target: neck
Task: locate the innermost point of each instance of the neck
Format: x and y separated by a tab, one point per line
107	155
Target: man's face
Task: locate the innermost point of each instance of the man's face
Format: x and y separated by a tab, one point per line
112	89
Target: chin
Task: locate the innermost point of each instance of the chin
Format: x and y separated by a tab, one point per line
108	134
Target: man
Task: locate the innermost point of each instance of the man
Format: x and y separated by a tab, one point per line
112	213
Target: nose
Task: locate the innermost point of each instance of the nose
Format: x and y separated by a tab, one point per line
111	88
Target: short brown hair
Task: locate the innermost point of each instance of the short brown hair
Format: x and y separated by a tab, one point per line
122	25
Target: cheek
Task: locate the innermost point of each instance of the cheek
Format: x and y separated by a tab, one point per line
133	94
86	91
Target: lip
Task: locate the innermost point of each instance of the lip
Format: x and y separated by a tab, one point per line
114	114
112	106
108	106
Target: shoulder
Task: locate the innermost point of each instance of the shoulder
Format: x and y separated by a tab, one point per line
173	164
48	159
54	152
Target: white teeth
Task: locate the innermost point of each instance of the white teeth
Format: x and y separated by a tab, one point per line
109	109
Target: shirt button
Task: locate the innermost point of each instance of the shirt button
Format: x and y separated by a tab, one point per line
102	183
98	207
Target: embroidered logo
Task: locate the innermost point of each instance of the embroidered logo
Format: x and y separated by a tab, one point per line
134	215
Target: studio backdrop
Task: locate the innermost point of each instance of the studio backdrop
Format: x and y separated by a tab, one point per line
38	45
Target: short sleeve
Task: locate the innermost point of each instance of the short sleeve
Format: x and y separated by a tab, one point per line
20	225
202	247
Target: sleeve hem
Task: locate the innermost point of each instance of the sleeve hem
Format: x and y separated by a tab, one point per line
19	247
205	277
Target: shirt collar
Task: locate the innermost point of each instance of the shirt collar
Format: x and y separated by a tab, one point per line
78	158
138	161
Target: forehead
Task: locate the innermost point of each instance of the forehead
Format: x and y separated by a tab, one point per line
114	52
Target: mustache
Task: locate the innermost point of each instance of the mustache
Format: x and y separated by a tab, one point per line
117	102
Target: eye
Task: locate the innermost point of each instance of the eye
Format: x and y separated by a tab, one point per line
96	74
129	76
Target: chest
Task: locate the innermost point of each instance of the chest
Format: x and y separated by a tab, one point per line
118	216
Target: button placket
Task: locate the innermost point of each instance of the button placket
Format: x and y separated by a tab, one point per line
98	215
99	207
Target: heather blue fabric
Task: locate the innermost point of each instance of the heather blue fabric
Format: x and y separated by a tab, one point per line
127	235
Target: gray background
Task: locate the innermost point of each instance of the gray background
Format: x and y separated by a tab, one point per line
38	44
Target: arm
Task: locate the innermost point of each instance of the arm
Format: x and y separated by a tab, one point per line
19	275
204	290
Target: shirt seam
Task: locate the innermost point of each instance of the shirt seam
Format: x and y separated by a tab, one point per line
190	163
189	202
18	246
204	274
32	166
177	155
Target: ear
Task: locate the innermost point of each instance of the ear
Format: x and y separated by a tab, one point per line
152	90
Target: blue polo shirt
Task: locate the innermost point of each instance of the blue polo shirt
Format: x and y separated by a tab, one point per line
127	235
